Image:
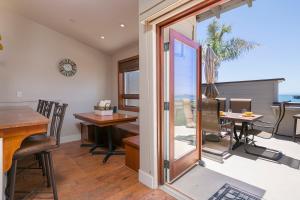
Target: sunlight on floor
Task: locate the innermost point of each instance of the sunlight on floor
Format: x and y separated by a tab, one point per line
185	139
272	180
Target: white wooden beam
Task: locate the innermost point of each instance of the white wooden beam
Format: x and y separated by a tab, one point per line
249	2
217	12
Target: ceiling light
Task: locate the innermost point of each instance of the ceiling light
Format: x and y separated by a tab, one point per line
122	25
102	37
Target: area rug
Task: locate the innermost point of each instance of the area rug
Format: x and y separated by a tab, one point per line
228	192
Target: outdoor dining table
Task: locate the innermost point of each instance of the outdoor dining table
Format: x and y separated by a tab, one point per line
240	118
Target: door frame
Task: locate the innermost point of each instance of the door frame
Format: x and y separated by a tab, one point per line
195	10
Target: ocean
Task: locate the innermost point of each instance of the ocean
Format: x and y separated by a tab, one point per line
285	97
281	97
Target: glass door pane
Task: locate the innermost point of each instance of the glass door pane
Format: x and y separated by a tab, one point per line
185	92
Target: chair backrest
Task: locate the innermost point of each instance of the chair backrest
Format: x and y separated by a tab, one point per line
57	121
280	117
40	106
238	105
47	108
222	103
188	112
210	121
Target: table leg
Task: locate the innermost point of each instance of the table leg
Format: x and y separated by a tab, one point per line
111	148
97	143
237	138
295	129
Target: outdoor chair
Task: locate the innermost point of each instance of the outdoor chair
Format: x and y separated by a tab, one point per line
188	113
238	105
265	130
222	103
212	124
42	146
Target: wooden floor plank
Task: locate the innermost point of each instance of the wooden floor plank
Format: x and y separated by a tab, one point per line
81	176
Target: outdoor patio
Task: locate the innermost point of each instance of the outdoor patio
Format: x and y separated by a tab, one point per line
264	178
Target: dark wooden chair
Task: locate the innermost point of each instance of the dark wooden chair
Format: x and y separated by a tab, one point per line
42	146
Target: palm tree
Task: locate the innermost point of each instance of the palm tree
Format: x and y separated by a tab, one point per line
226	50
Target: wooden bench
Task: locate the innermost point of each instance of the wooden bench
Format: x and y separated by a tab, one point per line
130	129
87	134
132	152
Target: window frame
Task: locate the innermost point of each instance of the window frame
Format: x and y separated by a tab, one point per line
126	65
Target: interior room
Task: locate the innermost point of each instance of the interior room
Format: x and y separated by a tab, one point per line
149	99
85	53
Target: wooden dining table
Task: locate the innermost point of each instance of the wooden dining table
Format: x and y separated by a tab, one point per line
240	118
108	122
16	124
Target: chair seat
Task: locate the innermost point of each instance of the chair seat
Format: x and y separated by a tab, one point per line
35	145
36	137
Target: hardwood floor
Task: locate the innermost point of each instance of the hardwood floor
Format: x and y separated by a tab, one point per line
81	176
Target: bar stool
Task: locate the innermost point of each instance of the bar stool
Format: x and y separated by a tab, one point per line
45	107
42	146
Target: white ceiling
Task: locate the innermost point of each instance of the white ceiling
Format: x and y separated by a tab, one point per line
85	20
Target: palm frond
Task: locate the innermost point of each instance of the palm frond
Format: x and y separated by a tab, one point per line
235	47
224	29
226	49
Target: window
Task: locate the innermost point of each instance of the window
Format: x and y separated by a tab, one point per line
129	84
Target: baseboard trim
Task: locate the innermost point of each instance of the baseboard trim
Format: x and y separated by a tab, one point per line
70	138
147	179
174	192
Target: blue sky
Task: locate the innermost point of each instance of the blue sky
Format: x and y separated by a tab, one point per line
275	25
185	77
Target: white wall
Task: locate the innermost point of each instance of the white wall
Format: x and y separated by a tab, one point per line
29	64
262	98
124	53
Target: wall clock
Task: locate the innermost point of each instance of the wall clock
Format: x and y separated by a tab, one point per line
67	67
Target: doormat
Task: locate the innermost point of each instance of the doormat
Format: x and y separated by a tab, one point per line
228	192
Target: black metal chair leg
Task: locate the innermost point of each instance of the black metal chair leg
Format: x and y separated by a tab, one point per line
52	176
42	157
47	169
12	179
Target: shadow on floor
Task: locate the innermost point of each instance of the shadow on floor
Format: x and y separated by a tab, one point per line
284	160
189	139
